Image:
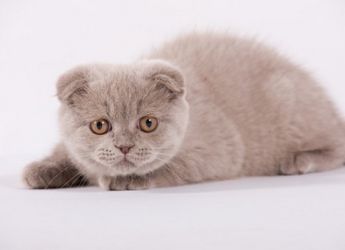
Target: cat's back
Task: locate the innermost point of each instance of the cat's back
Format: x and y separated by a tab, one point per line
219	63
219	53
235	74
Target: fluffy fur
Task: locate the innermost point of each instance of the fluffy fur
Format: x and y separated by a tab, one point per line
227	107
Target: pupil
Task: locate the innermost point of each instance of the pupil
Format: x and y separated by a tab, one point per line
148	123
99	125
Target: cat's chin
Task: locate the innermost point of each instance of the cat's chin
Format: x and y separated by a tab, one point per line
124	166
127	167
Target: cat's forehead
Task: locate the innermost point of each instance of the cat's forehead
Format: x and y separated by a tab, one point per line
121	96
115	86
118	94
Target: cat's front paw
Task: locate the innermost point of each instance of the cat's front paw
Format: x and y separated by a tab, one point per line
46	174
36	176
132	182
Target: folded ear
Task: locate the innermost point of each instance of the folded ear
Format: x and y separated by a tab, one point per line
73	84
166	76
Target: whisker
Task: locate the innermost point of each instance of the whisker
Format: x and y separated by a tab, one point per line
60	172
161	160
71	179
83	181
76	180
168	155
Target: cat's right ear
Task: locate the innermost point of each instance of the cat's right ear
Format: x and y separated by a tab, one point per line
73	84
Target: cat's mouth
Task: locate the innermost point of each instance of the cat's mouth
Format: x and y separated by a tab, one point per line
125	163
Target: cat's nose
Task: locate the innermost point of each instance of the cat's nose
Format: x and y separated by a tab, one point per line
125	148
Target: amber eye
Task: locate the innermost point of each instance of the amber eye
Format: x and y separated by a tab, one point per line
148	123
100	127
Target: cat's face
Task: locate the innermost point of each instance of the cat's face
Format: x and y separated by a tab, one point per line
118	120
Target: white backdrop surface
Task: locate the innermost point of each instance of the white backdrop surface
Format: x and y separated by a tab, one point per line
41	39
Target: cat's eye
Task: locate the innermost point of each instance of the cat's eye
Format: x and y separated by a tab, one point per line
100	127
148	123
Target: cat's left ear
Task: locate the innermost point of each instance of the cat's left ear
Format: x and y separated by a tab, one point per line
73	84
165	75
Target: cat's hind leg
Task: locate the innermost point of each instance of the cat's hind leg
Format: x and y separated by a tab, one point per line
55	171
315	160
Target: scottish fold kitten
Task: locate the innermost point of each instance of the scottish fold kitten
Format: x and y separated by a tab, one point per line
203	107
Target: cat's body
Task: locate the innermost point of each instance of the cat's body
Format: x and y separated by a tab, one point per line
226	108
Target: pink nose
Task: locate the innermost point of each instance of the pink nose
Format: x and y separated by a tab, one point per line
124	149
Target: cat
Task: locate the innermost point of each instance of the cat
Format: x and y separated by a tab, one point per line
203	107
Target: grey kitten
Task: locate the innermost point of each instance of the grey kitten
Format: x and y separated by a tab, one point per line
203	107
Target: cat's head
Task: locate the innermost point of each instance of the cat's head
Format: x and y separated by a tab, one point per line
123	119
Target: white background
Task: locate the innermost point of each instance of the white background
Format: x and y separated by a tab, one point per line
41	39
